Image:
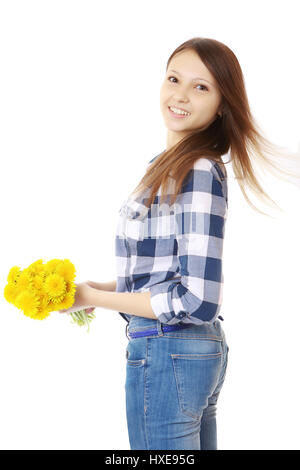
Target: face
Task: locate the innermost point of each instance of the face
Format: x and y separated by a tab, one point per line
190	86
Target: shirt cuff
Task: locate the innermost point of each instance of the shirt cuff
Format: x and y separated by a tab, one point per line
166	309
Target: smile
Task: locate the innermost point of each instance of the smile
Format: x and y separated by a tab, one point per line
176	112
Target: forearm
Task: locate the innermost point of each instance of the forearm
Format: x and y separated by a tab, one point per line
132	303
107	286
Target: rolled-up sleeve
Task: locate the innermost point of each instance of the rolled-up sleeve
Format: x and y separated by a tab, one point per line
200	214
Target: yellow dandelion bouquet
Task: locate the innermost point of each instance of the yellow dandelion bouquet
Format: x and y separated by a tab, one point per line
44	288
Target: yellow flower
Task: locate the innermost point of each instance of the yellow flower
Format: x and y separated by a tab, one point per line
10	292
24	280
43	310
67	302
13	274
38	282
55	287
42	314
70	287
66	269
28	302
44	302
51	265
36	268
41	288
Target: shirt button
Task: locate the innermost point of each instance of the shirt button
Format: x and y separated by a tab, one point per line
181	314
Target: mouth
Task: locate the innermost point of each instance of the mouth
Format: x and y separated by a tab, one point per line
182	114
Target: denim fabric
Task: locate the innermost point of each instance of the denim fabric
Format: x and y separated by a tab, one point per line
173	381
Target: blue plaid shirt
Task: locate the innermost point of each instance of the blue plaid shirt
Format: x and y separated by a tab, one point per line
175	252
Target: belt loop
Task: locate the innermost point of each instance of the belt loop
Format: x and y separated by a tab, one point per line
126	331
159	328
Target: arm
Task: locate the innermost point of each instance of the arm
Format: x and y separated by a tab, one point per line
108	286
200	213
88	297
133	303
198	296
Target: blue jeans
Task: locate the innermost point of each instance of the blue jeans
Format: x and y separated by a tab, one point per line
173	381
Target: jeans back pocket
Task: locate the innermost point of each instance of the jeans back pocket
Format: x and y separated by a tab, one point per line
196	378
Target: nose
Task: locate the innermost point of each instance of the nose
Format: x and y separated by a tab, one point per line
181	99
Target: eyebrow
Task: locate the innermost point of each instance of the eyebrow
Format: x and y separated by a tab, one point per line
196	78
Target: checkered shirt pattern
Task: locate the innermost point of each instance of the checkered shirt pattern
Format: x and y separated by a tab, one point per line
175	252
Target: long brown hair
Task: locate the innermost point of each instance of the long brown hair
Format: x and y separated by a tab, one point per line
236	131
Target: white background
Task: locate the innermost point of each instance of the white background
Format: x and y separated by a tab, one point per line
79	121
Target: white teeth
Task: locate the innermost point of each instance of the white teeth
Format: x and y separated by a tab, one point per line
178	111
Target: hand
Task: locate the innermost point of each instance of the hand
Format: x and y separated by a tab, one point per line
81	301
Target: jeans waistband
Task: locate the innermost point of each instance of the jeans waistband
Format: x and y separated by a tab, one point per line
154	331
160	328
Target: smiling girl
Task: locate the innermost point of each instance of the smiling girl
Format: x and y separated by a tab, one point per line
169	285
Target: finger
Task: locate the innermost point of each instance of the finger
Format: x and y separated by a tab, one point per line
89	310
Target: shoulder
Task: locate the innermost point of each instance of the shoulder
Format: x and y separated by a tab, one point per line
154	158
217	170
205	178
203	164
203	172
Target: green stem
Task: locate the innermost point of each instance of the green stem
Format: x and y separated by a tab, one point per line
81	318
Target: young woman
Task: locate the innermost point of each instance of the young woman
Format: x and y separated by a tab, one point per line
169	247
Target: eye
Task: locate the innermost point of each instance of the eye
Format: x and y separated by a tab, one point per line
202	86
205	88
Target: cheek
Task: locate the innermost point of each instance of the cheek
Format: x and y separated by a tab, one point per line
204	109
163	93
